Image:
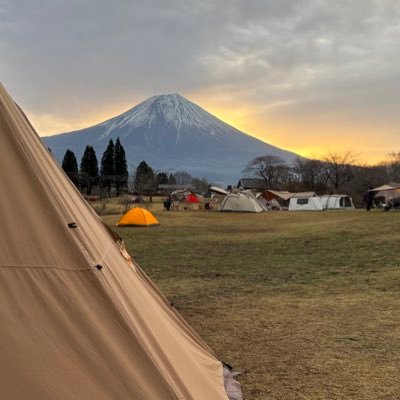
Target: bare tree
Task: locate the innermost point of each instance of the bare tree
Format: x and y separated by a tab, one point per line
310	172
131	180
183	178
272	169
200	185
338	169
393	166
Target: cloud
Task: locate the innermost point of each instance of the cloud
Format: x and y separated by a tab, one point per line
304	60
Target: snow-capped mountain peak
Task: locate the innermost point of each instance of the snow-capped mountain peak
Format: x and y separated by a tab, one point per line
170	132
172	109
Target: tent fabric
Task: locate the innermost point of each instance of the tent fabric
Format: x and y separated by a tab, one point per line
138	216
303	194
240	202
336	202
384	188
275	194
284	195
218	190
305	203
80	321
191	198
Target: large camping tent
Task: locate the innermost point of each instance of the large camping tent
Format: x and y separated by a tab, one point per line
138	216
306	201
241	202
79	319
336	202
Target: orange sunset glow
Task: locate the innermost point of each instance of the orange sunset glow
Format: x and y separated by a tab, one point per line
307	138
307	78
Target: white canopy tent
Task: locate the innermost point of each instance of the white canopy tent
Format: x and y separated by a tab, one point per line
307	201
336	202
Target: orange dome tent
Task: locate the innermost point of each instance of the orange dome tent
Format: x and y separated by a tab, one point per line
138	217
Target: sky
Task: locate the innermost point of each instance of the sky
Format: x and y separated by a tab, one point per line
310	76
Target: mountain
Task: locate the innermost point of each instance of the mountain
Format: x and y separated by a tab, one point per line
171	133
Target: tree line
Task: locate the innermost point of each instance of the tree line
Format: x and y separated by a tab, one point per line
112	174
113	177
146	180
334	173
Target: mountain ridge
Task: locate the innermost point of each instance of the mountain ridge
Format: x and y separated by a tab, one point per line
172	133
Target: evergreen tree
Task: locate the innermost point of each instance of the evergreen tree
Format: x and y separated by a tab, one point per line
144	180
107	169
171	180
161	179
89	170
70	166
121	167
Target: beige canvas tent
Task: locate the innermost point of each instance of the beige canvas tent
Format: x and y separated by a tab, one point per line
241	202
79	319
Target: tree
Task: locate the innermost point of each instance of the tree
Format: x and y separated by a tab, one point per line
310	173
171	180
70	166
144	180
107	169
393	166
132	179
161	179
338	169
89	170
121	168
183	178
200	185
270	168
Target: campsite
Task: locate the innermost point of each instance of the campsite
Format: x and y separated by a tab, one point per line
305	304
295	304
199	200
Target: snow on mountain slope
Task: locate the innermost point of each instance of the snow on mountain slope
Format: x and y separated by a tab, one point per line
172	133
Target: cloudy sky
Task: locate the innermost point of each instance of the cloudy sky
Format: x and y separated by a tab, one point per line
310	76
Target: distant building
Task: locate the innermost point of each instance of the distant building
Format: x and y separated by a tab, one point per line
254	184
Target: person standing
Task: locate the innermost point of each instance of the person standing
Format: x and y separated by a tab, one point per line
369	196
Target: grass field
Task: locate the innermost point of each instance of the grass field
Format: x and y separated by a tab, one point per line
306	304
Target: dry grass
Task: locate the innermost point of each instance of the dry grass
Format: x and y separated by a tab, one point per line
307	304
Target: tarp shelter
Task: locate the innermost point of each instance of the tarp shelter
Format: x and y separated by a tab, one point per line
387	187
307	201
241	202
138	217
79	318
276	194
390	191
336	202
216	189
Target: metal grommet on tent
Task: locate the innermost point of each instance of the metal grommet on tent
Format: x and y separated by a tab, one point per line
72	225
